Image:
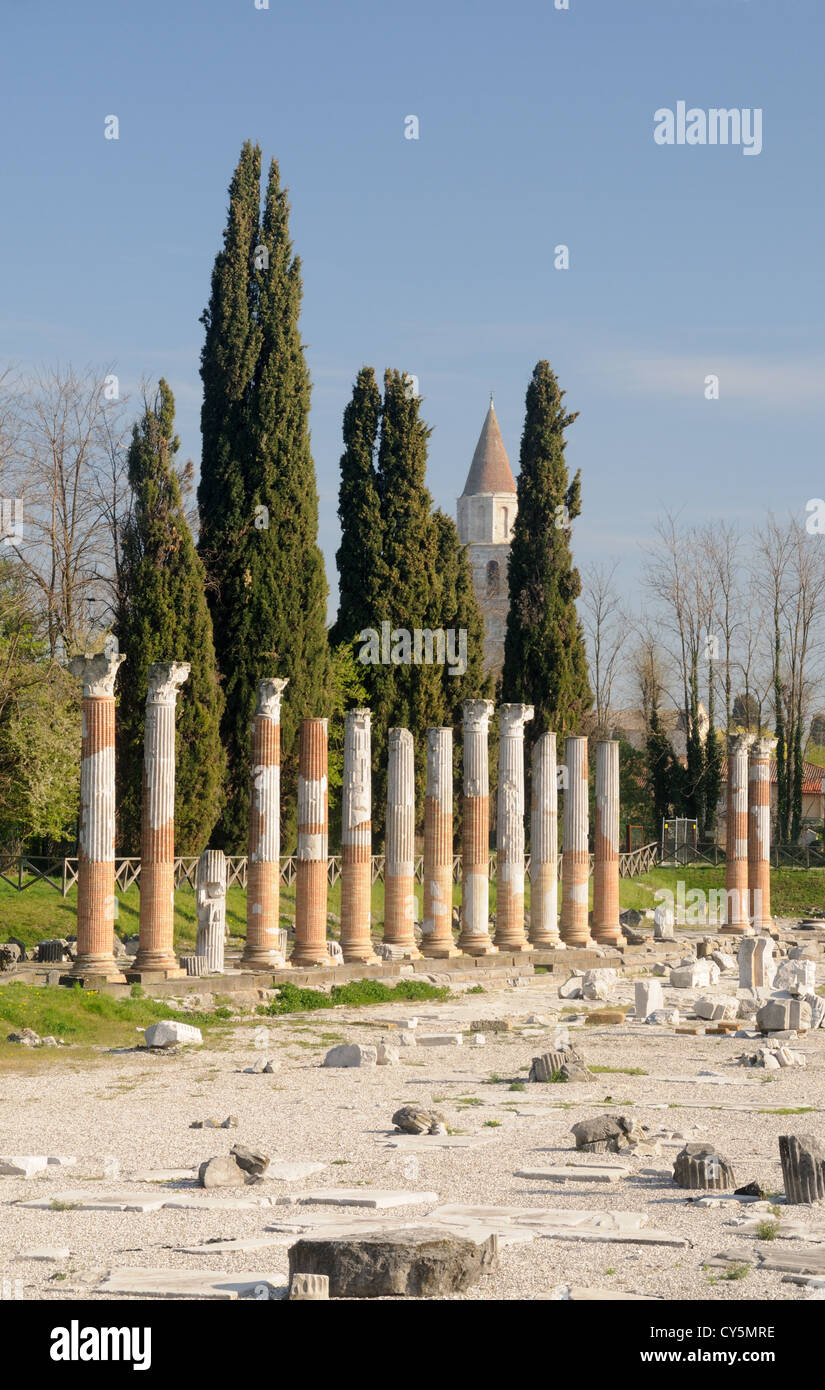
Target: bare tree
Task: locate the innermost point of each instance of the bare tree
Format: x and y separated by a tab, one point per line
607	628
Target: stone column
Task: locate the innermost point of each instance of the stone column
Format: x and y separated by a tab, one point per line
399	865
510	934
263	875
96	840
544	847
759	833
437	925
606	929
356	840
156	952
311	879
211	900
475	833
575	867
737	915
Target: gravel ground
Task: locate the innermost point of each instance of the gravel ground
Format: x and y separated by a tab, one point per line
136	1108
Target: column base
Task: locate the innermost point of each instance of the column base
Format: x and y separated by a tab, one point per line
93	968
258	958
736	929
155	965
477	946
546	943
360	955
513	947
310	956
439	950
607	935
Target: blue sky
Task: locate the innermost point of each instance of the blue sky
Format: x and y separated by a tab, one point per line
436	255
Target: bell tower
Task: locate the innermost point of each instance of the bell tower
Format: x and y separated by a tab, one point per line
486	513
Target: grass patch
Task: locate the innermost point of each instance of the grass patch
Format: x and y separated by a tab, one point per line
476	989
767	1230
492	1124
789	1110
621	1071
517	1086
355	994
80	1016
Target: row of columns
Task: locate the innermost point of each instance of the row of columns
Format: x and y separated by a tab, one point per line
156	956
748	834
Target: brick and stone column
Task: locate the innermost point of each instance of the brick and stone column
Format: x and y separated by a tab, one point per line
399	865
96	840
544	847
211	902
759	833
156	952
737	916
311	878
510	934
437	925
356	840
263	874
575	867
606	929
475	832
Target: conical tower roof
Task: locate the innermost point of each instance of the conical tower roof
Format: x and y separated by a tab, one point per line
490	469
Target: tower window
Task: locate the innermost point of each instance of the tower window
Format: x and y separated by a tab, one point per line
505	521
492	578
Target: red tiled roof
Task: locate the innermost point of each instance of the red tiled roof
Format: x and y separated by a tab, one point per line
490	469
811	776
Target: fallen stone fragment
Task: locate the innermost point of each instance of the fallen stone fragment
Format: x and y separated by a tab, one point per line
548	1066
666	1017
648	997
780	1015
572	988
169	1033
386	1056
664	924
223	1171
751	1189
308	1288
374	1198
803	1167
493	1025
479	1040
575	1173
351	1055
797	976
22	1165
604	1134
422	1263
414	1119
575	1293
191	1283
255	1164
49	1254
716	1008
726	963
231	1122
701	1166
440	1040
597	984
26	1037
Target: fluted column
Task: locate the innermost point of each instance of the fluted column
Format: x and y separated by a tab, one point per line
606	929
759	833
263	875
510	934
399	867
211	901
437	940
156	951
544	846
737	916
96	839
311	877
475	832
356	840
575	864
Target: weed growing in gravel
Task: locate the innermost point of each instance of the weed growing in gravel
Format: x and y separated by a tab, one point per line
469	1100
789	1110
292	999
476	989
735	1271
621	1071
517	1086
492	1124
767	1230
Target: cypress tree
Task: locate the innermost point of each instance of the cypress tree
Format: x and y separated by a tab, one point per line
258	499
544	652
163	616
359	509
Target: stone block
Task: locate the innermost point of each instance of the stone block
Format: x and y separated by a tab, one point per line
756	963
351	1055
440	1040
664	924
648	997
420	1263
667	1017
702	1166
717	1009
22	1165
796	976
803	1167
307	1288
169	1033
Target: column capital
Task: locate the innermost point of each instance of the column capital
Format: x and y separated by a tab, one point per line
739	743
98	674
476	715
399	738
165	679
359	720
269	699
512	718
762	748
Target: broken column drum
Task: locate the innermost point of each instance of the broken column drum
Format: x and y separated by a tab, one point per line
399	866
312	871
263	884
96	899
544	846
606	929
157	862
356	839
211	901
575	851
510	934
759	833
437	933
475	833
737	917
